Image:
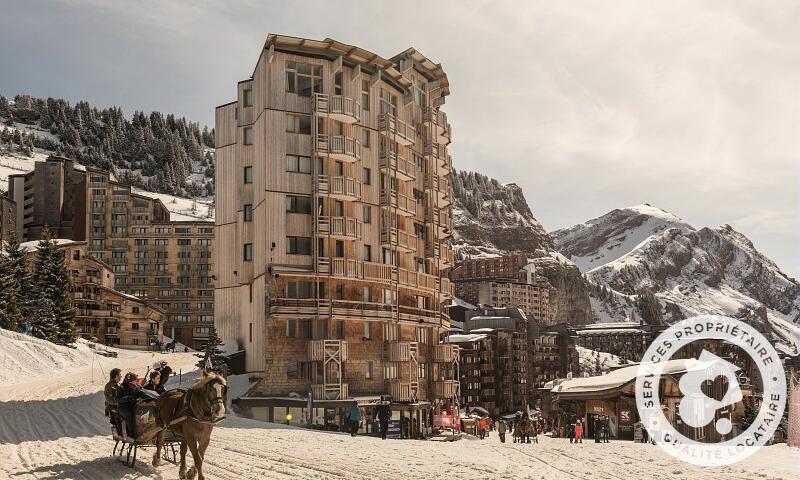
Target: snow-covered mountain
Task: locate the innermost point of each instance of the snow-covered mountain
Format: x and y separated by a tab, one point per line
691	271
492	219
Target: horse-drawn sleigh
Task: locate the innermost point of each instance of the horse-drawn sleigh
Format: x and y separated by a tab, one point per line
177	417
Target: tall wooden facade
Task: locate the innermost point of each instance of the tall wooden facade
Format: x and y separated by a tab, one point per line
333	222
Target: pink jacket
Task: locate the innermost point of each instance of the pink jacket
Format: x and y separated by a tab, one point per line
578	430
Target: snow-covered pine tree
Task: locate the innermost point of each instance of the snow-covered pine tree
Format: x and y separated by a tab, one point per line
213	352
43	319
17	263
10	314
50	287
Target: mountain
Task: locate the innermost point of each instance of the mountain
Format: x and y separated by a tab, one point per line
642	250
490	219
156	152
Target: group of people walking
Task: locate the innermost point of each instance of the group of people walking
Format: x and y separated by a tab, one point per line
576	429
121	395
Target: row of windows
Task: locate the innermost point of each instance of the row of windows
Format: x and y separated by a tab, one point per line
165	241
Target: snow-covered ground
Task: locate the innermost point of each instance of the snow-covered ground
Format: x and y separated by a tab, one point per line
53	428
590	359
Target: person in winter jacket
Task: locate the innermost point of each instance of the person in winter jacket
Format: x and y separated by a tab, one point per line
598	429
126	396
606	428
501	431
383	413
109	393
154	384
354	418
579	432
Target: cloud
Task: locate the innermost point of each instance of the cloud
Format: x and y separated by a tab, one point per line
588	105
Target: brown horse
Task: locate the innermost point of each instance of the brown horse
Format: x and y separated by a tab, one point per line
191	415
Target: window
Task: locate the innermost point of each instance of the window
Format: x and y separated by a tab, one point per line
248	135
422	335
205	230
182	254
390	332
184	241
134	326
340	329
248	212
421	370
419	231
365	95
367	294
204	241
298	245
339	291
389	370
183	230
367	214
420	162
298	164
367	253
303	78
140	242
298	204
339	249
367	330
298	123
368	370
248	174
298	290
365	137
162	242
247	97
367	176
248	252
337	83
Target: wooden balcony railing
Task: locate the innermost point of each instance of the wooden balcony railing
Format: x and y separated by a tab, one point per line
445	388
339	107
343	187
341	227
402	391
321	350
403	204
341	147
400	130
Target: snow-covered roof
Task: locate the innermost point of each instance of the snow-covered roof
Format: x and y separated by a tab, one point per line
457	302
33	245
622	376
470	337
590	331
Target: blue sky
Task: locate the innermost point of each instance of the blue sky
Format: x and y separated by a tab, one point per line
691	106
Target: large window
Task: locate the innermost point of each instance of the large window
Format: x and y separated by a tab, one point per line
298	204
298	163
296	123
298	290
247	97
248	135
298	245
248	174
303	78
365	95
248	252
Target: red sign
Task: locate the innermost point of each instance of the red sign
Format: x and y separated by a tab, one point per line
446	421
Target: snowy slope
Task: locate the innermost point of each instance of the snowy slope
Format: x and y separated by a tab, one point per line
613	235
15	164
593	362
691	271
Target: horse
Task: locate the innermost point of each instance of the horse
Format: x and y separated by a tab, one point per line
170	347
191	415
523	429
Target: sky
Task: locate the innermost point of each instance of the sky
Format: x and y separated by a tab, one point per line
692	106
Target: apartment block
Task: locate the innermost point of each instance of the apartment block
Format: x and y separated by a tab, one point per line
165	261
334	222
505	281
102	313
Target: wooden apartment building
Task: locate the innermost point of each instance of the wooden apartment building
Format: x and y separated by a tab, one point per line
101	312
334	222
167	262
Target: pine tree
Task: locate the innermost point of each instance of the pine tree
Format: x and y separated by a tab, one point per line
213	353
16	261
53	314
10	315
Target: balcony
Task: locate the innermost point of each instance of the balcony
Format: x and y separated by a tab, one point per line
441	220
400	351
338	147
446	288
398	238
403	391
339	227
339	187
323	350
396	166
398	130
341	267
439	119
444	353
435	151
338	107
445	388
401	204
111	331
329	391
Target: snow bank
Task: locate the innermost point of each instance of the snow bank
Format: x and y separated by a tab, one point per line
24	358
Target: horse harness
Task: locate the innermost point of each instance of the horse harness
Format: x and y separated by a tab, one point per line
183	408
